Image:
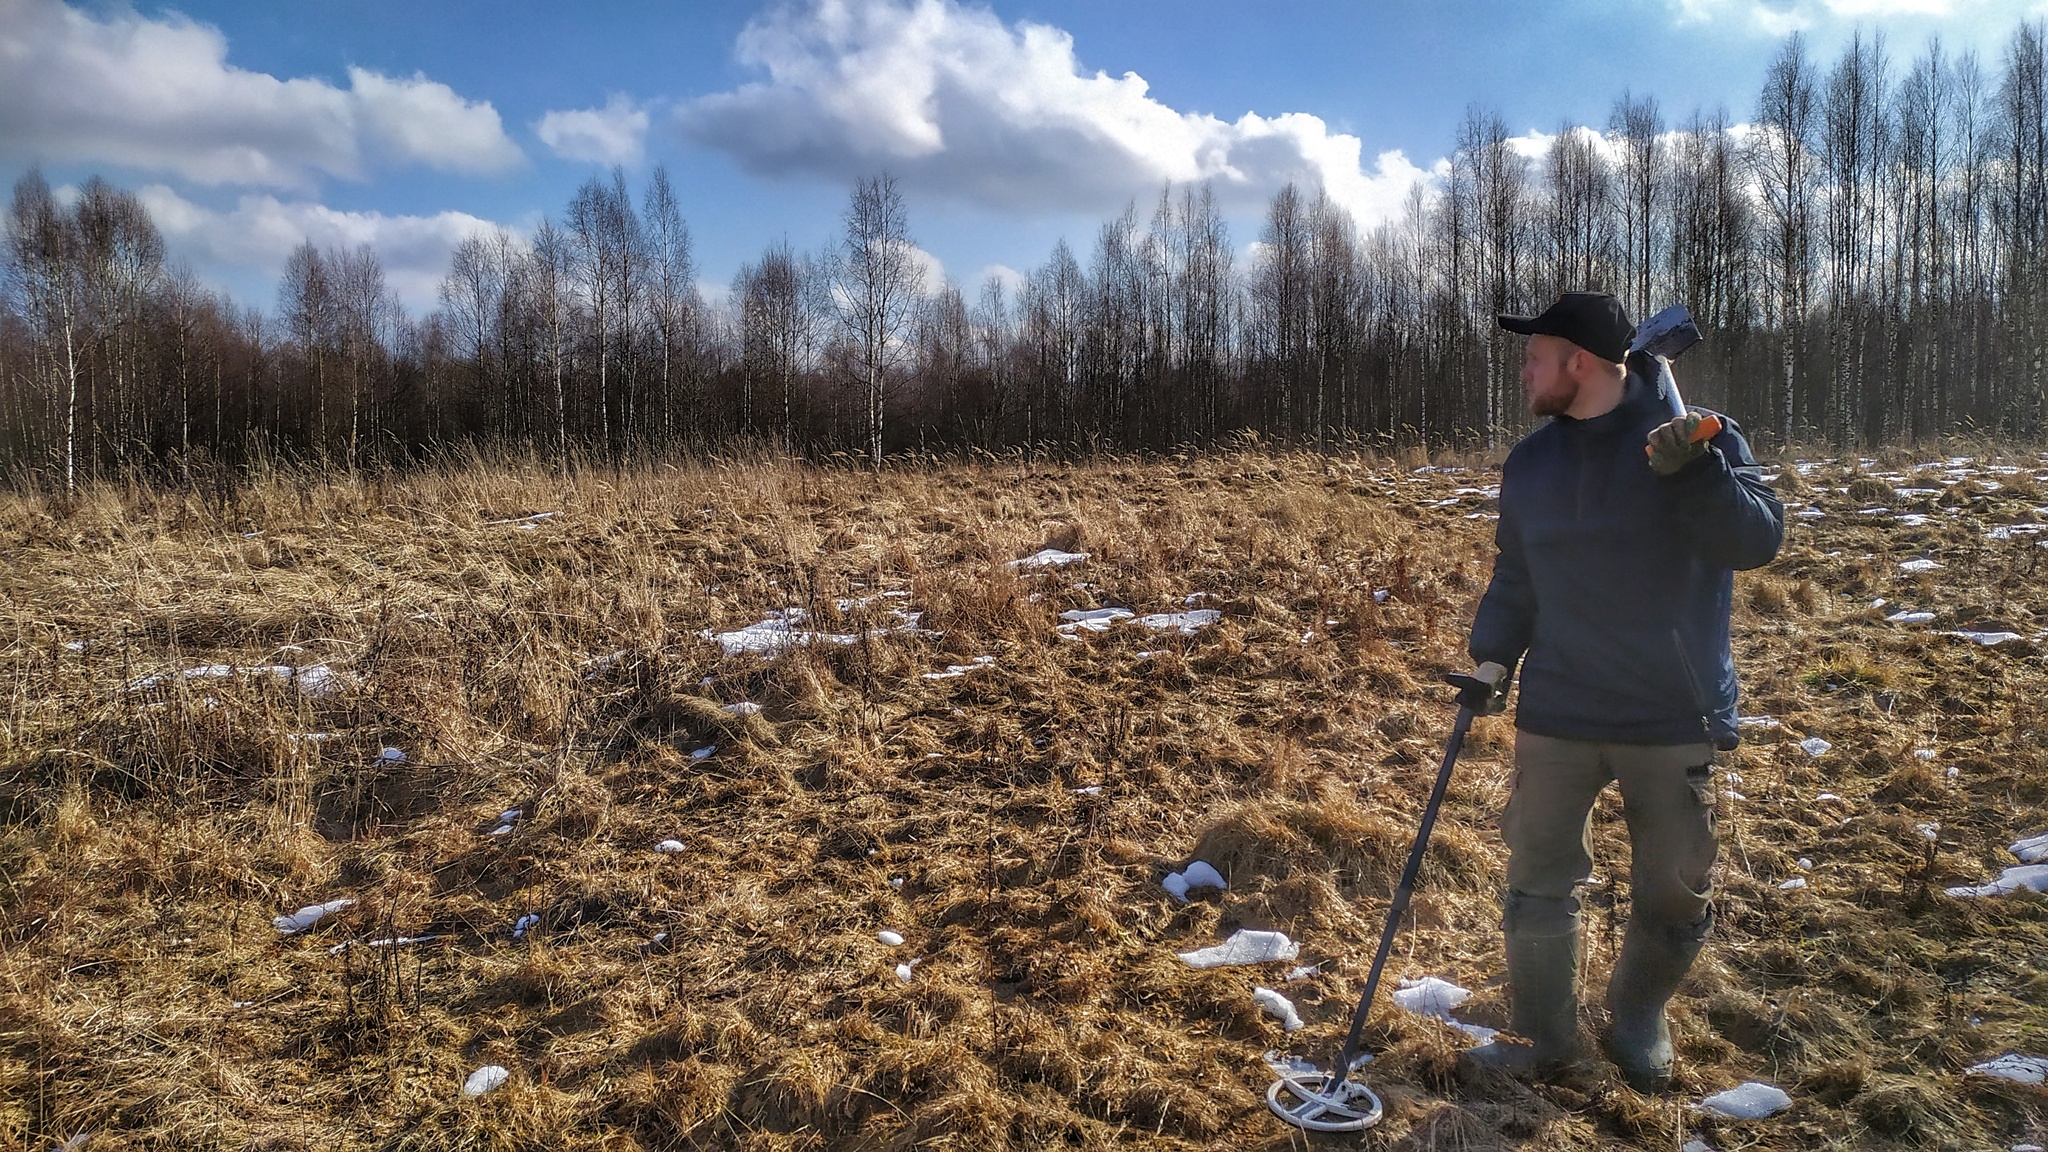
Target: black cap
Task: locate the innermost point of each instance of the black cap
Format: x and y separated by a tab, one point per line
1594	321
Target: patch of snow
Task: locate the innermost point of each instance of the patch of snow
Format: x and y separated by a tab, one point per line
904	970
1987	639
485	1078
1814	746
2014	1067
2032	850
1302	973
1379	595
775	634
1809	514
1793	884
308	916
313	679
391	755
1758	722
1277	1006
704	753
1199	874
1697	1144
1825	796
523	925
1090	790
1931	831
1923	753
1186	623
1245	946
2031	876
953	670
1431	996
1093	619
1920	565
892	939
1910	617
1049	558
1751	1101
744	708
671	846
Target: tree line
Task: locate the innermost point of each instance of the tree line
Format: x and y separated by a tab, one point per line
1868	252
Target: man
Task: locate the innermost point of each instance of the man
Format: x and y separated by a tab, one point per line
1612	589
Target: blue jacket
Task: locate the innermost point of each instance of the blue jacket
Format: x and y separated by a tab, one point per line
1618	583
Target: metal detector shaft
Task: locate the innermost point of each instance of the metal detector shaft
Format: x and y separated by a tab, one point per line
1402	892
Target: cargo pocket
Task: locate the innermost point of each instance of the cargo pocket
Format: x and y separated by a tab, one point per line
1701	841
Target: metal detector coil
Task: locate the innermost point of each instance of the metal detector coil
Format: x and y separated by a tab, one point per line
1331	1101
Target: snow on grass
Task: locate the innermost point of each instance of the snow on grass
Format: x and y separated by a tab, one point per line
1049	558
892	939
1793	884
744	708
313	679
953	670
391	755
671	847
2014	1067
1277	1006
1245	946
774	634
1752	1101
485	1079
1814	746
308	916
523	925
1199	874
2024	876
1909	617
1433	996
1757	723
1093	619
1987	639
2032	850
1922	565
1186	623
908	968
528	523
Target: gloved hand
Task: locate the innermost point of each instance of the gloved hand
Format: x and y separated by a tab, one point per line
1672	446
1489	697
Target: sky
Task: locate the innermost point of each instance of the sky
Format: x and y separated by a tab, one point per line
247	127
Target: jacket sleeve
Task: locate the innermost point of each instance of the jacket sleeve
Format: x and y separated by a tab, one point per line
1735	519
1506	620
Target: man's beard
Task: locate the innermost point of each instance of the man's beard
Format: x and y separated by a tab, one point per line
1555	403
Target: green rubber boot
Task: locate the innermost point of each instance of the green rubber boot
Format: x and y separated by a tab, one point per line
1543	974
1653	961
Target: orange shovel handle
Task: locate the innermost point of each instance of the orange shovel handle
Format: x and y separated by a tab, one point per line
1710	427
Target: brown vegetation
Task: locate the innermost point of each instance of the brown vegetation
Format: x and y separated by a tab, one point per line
152	827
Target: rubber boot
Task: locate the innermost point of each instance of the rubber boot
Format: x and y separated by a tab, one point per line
1653	961
1542	977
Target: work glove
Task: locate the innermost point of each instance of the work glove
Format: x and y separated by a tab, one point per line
1672	446
1489	697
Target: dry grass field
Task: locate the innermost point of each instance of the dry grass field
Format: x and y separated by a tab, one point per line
200	696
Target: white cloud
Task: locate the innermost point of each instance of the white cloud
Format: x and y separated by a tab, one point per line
161	96
952	100
1783	17
256	236
613	134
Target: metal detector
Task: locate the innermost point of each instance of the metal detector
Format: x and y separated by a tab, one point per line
1331	1101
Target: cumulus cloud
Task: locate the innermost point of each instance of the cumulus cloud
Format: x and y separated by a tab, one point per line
951	99
260	231
613	134
161	96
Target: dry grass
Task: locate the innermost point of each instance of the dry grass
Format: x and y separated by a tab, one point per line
148	834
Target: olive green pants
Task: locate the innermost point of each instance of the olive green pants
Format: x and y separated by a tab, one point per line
1667	798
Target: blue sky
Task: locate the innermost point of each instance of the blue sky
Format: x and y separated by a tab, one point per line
1008	124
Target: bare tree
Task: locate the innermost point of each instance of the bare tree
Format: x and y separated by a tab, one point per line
878	282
